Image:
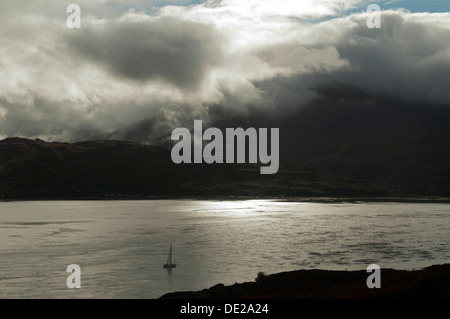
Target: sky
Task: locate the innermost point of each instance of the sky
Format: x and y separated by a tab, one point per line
137	69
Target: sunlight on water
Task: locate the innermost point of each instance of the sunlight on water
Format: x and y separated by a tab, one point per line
122	245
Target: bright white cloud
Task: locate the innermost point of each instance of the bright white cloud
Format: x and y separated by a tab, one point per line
289	8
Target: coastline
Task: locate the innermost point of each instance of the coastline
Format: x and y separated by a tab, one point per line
432	282
322	200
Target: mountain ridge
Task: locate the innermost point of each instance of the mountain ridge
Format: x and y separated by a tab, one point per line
344	144
121	169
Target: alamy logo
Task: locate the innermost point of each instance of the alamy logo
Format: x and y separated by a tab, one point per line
74	20
74	279
213	151
374	19
374	280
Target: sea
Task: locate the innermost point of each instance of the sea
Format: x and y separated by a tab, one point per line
120	246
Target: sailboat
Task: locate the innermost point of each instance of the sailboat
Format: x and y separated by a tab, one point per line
171	263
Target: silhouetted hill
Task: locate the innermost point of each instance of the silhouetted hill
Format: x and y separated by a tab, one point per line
118	169
345	144
382	140
429	283
403	146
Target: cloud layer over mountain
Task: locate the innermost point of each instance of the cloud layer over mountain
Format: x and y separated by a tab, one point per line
148	64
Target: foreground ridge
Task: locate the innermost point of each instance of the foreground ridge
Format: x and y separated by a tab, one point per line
429	283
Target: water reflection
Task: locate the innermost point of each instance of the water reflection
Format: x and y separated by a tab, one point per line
122	245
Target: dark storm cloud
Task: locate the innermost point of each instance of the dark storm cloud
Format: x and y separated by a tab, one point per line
407	58
175	51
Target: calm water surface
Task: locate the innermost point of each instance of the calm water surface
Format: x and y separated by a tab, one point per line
122	245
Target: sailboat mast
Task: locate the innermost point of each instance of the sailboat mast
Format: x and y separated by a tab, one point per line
169	258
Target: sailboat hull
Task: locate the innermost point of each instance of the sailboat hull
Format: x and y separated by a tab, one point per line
170	266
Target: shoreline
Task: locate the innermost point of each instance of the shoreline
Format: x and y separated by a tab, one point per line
431	282
323	200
